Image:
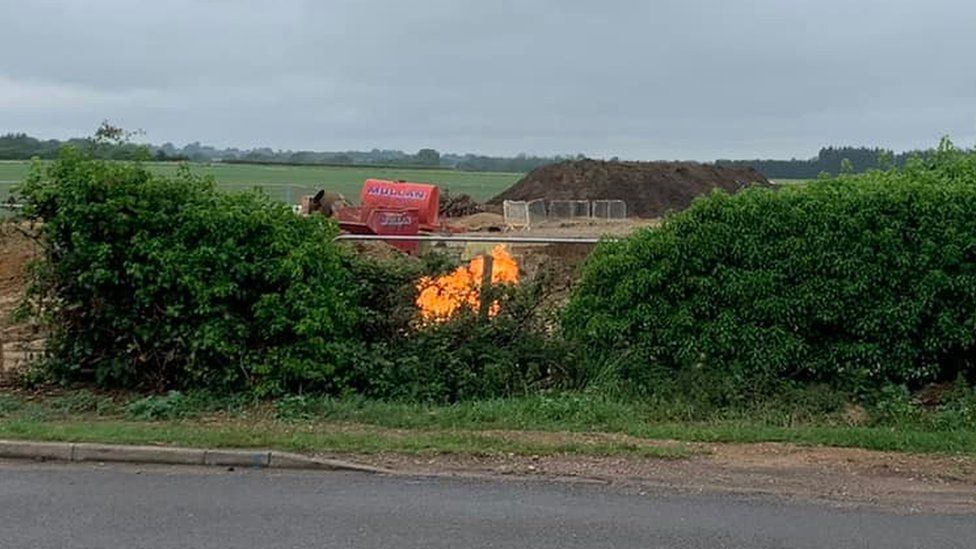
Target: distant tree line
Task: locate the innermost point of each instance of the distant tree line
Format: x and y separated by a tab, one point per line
519	164
831	160
20	146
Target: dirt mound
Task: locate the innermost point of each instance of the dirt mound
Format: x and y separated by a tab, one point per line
650	189
458	205
488	222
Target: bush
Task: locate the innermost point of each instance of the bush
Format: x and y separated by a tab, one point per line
178	405
157	282
168	284
172	405
860	282
464	358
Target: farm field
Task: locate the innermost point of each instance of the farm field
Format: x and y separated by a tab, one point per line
288	183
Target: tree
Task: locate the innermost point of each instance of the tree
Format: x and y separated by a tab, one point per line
428	157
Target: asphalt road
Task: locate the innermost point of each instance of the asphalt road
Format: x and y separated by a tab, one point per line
73	506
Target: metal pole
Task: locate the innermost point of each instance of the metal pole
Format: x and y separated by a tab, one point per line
485	297
476	238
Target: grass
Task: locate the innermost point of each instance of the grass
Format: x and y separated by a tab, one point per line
325	437
580	413
288	183
539	425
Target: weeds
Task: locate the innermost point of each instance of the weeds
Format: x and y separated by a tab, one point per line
893	421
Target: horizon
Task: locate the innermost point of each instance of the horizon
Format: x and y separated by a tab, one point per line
664	80
564	156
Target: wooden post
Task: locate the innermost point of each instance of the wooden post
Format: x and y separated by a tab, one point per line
485	295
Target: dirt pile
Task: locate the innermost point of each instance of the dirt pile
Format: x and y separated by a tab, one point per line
480	222
650	189
458	205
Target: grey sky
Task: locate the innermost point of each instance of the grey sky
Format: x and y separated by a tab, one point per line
640	79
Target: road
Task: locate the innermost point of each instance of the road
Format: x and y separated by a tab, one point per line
77	506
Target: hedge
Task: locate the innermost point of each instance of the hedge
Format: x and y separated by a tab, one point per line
857	281
157	282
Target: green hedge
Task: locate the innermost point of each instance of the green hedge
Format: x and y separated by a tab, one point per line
161	283
857	281
156	282
467	357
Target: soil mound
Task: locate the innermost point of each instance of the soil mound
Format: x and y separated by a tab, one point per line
650	189
483	221
458	205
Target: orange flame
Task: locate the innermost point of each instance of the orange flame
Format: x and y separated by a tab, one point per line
441	297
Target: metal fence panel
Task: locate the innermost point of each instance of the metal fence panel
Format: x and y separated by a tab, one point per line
537	211
609	209
567	209
524	214
516	213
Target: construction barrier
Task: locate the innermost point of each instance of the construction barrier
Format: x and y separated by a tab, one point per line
520	214
569	209
608	209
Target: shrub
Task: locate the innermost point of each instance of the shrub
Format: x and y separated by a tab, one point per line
172	405
179	405
168	284
859	281
81	402
464	358
9	404
159	282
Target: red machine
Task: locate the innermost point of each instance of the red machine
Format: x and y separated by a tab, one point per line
393	208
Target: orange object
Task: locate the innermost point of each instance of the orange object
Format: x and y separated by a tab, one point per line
396	195
392	208
443	296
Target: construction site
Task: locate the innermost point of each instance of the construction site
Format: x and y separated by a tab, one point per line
550	218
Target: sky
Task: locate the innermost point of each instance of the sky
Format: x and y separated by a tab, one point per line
652	79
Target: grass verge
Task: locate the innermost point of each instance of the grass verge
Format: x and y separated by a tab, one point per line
540	425
329	437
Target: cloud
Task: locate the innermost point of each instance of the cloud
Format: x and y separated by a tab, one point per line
663	79
33	96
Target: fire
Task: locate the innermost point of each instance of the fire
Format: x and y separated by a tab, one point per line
441	297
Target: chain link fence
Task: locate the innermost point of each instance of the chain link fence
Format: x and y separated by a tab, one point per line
608	209
521	214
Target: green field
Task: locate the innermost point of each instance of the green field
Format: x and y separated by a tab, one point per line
288	183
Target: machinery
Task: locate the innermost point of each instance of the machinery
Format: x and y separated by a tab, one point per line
394	208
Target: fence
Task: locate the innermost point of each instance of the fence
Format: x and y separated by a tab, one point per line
609	209
520	214
568	209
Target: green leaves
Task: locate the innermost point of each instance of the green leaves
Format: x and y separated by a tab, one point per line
856	281
169	283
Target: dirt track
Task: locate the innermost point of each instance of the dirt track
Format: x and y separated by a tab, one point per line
844	476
